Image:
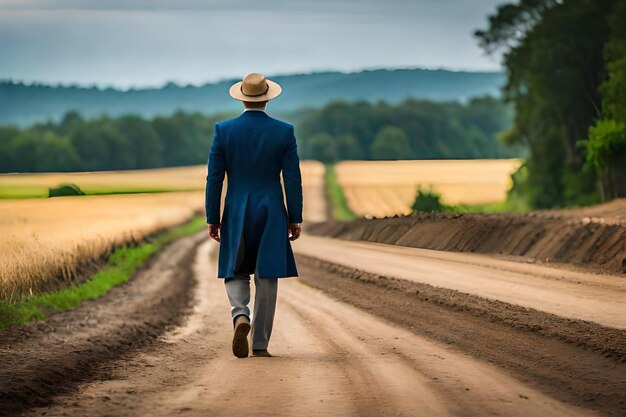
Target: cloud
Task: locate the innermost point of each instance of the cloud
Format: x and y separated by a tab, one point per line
148	42
356	6
172	4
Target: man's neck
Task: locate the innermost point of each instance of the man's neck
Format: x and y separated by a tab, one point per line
254	109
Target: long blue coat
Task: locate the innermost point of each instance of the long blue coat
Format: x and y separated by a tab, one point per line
252	150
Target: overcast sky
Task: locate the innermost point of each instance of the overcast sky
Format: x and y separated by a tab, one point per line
128	43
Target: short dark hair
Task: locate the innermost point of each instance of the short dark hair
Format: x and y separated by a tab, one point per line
255	104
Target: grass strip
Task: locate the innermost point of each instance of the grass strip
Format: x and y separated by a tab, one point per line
26	192
339	205
122	263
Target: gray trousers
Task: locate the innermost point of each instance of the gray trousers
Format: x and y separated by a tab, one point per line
266	289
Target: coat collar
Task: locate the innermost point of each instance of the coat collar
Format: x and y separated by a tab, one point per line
254	113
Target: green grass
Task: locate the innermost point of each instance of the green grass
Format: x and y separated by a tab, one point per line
501	207
339	205
23	192
118	190
122	263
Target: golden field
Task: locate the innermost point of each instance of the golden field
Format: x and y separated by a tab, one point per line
43	239
386	188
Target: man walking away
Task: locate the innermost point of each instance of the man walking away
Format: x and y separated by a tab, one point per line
256	229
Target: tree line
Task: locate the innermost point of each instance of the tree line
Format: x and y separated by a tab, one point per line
566	78
341	130
413	129
105	143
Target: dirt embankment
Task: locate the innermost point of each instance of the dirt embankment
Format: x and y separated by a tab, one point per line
592	237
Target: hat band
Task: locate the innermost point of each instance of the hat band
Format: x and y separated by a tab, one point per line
267	87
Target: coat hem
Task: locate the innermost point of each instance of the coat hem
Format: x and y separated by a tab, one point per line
264	276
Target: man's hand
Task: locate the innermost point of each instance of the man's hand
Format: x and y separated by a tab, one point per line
214	232
294	230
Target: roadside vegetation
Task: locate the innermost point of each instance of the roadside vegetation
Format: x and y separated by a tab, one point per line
338	204
429	201
120	266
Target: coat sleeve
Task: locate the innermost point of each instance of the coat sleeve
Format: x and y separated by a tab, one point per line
214	179
292	178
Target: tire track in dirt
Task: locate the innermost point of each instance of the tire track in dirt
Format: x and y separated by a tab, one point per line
45	358
607	341
560	369
331	359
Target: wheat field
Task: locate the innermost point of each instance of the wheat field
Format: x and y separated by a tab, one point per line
387	188
43	240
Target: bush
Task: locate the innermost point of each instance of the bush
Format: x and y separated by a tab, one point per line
606	155
64	190
428	201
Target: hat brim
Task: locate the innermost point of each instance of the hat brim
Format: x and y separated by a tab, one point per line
272	92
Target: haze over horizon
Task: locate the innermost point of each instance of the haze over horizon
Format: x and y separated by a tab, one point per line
150	43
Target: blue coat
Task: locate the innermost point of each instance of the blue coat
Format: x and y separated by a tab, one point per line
252	150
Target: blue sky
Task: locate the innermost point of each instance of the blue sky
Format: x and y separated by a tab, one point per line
149	42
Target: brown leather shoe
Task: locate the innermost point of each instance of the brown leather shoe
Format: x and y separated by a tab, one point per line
261	353
240	337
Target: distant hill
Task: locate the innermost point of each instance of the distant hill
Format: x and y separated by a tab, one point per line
25	104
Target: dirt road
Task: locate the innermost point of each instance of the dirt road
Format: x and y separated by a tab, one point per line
331	359
571	294
313	189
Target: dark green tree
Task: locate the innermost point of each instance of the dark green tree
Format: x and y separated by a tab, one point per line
71	122
322	147
101	145
145	144
553	58
56	154
606	145
348	147
7	134
390	143
43	152
186	137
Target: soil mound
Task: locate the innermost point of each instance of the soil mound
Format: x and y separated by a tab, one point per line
591	237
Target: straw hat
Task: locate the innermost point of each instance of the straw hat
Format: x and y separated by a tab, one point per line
255	87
